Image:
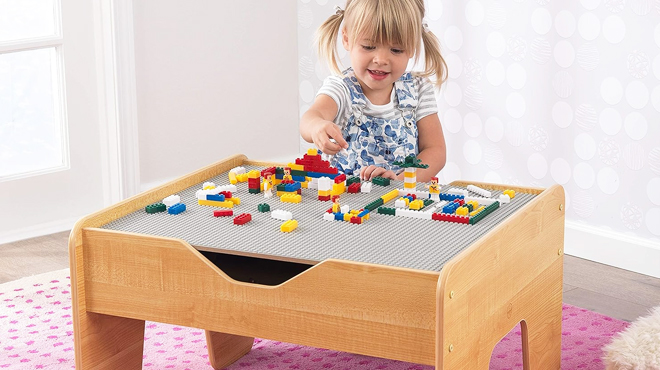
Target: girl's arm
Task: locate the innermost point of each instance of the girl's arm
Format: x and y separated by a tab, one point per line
316	126
432	148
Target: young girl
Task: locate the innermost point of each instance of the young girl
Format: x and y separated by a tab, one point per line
376	113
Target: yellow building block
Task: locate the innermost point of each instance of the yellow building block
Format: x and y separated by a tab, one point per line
280	193
338	189
510	193
312	151
234	200
304	185
389	196
416	204
323	193
242	177
348	216
209	187
254	174
216	203
296	167
474	213
462	211
291	198
288	226
410	174
409	185
474	203
232	178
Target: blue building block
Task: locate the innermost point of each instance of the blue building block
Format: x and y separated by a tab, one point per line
450	197
339	216
450	208
363	213
298	178
318	175
292	187
217	197
176	209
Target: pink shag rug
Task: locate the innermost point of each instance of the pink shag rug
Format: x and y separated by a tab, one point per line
36	332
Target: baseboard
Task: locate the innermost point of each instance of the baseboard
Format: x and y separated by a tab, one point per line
38	230
613	248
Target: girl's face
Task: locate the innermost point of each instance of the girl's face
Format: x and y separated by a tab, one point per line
376	66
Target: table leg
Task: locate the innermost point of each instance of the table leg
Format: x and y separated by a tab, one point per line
225	349
109	342
541	344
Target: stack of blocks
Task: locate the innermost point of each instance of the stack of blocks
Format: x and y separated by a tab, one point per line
325	188
254	182
410	178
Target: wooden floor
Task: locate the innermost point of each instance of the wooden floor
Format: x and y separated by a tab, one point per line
611	291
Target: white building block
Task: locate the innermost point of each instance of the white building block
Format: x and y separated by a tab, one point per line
313	183
281	214
345	208
410	180
504	199
230	188
325	183
329	216
172	200
482	201
478	190
413	214
457	191
400	203
238	170
209	184
201	194
365	187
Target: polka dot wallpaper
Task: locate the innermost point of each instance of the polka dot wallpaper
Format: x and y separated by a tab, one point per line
543	92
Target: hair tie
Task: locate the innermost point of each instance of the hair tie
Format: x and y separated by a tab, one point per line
339	11
425	26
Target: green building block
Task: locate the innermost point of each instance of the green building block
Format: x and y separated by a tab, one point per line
382	181
375	204
427	202
387	211
353	179
263	207
254	191
298	173
281	187
155	208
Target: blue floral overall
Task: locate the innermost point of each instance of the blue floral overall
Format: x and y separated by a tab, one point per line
374	140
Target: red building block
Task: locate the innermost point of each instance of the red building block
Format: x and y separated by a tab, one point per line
227	194
268	171
340	178
412	195
356	220
324	198
243	218
354	187
223	212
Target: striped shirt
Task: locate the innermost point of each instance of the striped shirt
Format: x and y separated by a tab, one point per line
335	88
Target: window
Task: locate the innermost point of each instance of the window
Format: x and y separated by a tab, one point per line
33	136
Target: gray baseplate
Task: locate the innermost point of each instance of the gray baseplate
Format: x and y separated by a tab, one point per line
383	239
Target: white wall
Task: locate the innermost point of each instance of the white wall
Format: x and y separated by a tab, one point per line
544	92
214	78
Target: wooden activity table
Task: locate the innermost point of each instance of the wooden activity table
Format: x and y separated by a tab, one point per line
423	291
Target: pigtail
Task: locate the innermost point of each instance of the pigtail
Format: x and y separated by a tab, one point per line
434	62
326	40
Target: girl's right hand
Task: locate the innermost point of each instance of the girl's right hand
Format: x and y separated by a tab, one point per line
324	133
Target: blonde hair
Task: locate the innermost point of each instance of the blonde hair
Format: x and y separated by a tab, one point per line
396	22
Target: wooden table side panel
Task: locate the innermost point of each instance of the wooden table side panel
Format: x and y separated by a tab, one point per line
361	308
490	287
489	186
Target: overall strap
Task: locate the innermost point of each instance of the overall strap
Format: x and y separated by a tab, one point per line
357	95
406	93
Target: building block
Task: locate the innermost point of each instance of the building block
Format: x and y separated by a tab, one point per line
389	196
356	220
208	185
238	170
172	200
366	187
416	204
324	198
382	181
504	199
456	191
312	152
354	187
223	213
352	180
339	188
364	213
263	207
268	171
234	200
155	208
215	203
289	226
401	203
218	197
387	211
291	198
232	178
340	178
329	216
478	190
462	211
339	216
510	193
281	214
450	197
345	208
242	219
176	209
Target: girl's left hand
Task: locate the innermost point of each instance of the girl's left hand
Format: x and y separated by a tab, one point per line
369	172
